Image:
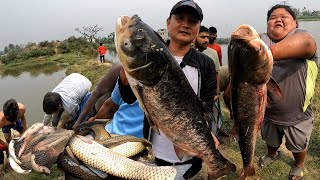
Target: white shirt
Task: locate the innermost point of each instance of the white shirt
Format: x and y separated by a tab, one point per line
162	146
72	90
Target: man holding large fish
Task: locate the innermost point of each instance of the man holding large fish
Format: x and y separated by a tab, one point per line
167	92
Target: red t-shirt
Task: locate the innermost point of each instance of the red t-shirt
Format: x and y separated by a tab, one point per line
217	48
102	50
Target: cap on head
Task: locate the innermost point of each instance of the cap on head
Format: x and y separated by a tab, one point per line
188	3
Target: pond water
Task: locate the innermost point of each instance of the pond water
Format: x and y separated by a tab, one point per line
30	85
29	89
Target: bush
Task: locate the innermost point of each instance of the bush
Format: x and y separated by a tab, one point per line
10	57
40	52
46	44
63	47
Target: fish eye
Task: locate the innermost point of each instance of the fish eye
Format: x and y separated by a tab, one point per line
127	43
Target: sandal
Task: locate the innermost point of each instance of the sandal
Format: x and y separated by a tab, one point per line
296	173
266	160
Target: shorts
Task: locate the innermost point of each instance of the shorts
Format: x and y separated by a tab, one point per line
297	136
18	127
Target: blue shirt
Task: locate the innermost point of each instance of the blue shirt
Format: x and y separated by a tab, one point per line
128	120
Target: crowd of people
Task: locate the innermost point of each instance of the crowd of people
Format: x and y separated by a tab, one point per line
194	48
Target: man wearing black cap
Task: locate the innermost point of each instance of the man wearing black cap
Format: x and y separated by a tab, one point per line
183	26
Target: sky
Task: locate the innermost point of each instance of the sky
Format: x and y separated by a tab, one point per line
23	21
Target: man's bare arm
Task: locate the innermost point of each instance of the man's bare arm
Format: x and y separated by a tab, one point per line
298	45
106	84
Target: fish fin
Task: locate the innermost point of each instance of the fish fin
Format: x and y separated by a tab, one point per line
152	124
234	133
71	155
12	151
38	168
98	172
16	167
247	171
84	139
23	147
138	90
182	153
274	88
215	140
208	114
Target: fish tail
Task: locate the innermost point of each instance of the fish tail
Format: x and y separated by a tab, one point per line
247	171
227	169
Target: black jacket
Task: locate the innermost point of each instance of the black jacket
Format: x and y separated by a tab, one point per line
207	84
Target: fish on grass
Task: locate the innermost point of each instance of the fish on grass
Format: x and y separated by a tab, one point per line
165	95
250	66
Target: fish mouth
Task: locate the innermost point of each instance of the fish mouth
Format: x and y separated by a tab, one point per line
247	34
278	25
121	22
245	31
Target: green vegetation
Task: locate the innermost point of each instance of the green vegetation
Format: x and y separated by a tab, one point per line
222	40
79	46
308	18
308	15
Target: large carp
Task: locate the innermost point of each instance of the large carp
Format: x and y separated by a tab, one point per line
165	95
250	67
106	160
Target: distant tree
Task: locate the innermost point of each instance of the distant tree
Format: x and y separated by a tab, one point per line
19	48
89	32
11	47
6	50
105	40
306	12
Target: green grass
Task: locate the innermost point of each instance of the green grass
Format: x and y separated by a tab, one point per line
308	18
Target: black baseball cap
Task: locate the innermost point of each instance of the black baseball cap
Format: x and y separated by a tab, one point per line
187	3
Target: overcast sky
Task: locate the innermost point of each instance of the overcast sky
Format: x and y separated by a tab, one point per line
25	21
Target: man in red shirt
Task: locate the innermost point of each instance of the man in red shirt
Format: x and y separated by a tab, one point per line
102	51
213	45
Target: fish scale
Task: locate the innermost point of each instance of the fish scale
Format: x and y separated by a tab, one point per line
250	67
104	159
129	149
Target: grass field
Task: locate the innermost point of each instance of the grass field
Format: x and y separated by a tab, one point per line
278	170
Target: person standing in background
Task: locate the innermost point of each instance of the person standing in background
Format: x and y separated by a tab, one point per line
102	51
201	44
213	45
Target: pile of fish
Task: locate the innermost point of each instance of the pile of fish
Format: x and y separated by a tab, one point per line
250	67
166	96
82	157
38	148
